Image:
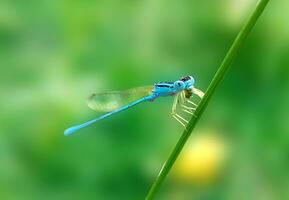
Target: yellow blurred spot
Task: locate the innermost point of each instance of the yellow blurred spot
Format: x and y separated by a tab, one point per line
201	159
236	11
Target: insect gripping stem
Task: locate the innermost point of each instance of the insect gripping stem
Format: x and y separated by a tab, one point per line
231	54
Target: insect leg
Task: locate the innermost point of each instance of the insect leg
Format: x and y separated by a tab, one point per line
184	99
174	116
189	101
188	107
198	92
179	118
174	107
189	110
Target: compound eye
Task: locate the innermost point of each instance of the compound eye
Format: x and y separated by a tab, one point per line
179	84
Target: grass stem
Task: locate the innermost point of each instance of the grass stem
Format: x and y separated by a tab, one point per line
224	67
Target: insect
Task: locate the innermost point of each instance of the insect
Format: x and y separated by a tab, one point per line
115	102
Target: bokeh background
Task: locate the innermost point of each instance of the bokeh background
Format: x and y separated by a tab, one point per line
53	54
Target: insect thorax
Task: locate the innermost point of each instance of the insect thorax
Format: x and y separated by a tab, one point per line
188	93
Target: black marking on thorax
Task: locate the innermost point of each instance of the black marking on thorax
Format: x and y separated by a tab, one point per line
165	84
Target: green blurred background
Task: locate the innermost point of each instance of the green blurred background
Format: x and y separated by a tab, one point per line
53	54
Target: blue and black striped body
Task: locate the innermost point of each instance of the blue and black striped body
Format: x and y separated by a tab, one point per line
164	89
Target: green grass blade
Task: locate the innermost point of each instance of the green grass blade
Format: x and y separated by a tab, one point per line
227	61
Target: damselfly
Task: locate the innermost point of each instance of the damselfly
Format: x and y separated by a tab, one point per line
115	102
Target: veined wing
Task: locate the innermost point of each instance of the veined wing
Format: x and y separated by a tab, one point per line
108	101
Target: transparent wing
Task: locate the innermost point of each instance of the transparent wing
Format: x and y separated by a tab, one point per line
108	101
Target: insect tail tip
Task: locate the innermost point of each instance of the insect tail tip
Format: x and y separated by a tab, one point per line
69	131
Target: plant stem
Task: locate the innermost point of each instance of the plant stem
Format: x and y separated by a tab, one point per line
227	61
